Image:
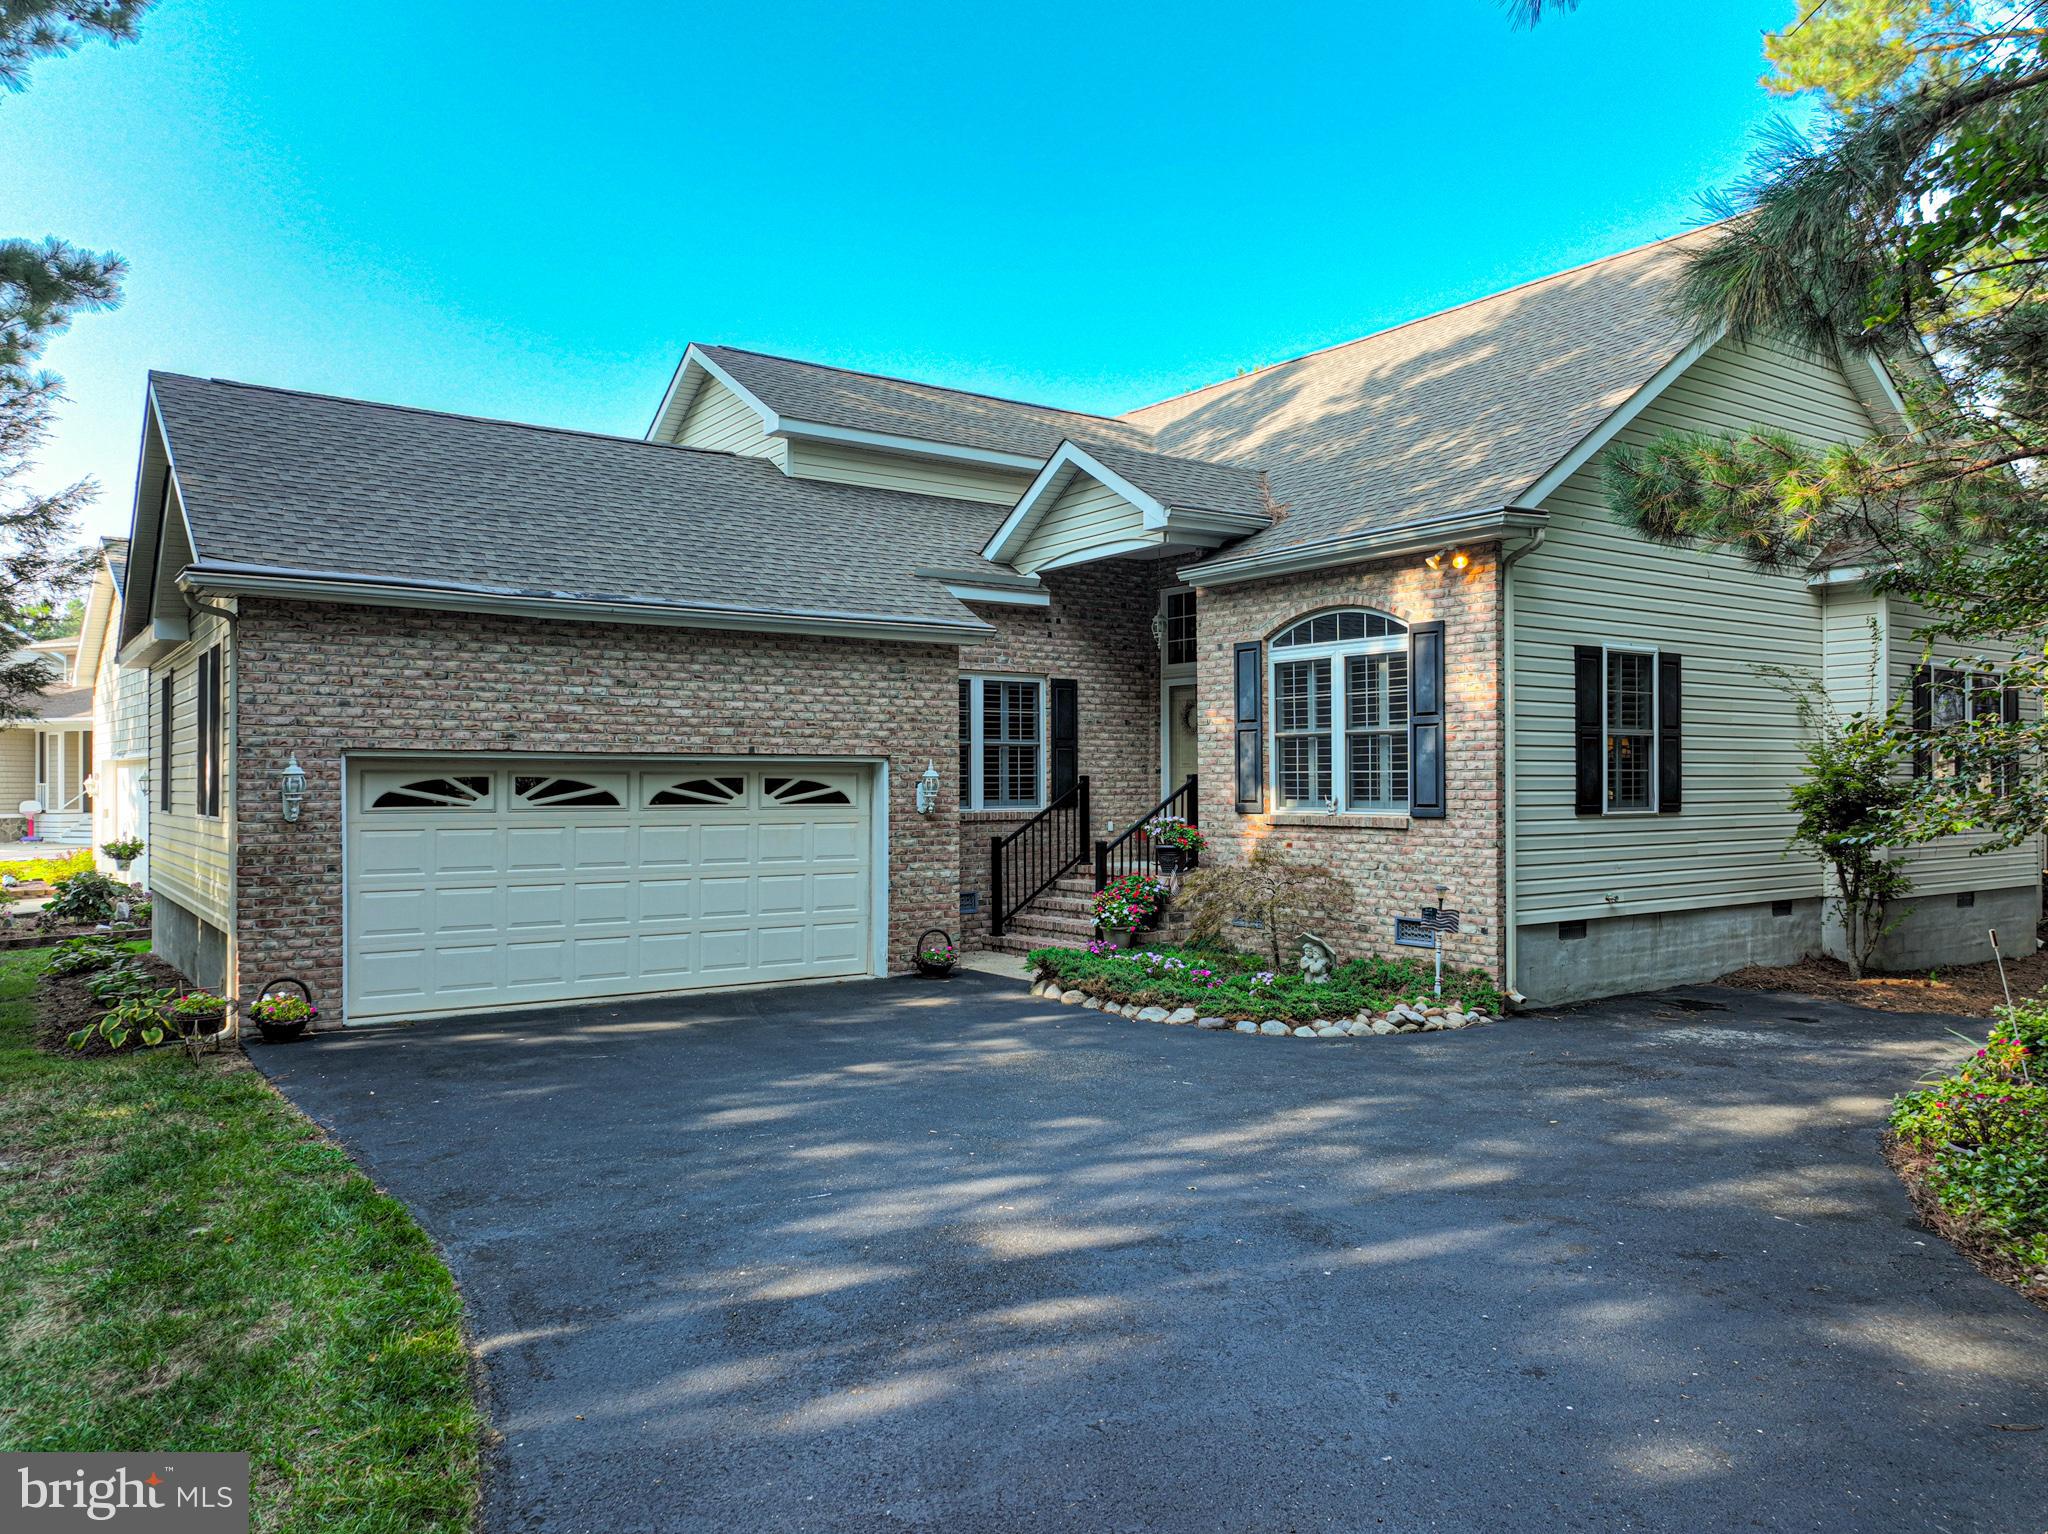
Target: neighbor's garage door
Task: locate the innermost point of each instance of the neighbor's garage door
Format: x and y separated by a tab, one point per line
480	884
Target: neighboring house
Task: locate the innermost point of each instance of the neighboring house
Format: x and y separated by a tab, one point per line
82	755
583	716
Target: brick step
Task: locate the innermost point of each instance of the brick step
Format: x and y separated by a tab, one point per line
1055	928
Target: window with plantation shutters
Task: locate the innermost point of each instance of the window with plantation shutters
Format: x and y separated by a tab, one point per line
1628	729
1002	743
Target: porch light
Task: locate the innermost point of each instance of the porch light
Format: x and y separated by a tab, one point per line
928	788
292	787
1158	631
1458	558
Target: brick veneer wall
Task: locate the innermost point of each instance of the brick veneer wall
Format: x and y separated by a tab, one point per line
1395	866
1097	631
323	680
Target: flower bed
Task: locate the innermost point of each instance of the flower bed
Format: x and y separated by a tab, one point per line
1973	1147
1220	987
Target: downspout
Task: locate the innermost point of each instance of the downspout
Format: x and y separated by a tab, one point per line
1507	621
234	959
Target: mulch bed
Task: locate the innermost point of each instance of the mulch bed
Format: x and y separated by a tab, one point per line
1966	990
36	937
64	1005
1913	1165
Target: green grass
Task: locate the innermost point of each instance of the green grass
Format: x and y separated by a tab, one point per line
1229	984
186	1265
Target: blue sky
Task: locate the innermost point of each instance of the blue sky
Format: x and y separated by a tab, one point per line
509	212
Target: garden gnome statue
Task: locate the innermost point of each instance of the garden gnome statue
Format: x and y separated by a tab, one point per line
1316	958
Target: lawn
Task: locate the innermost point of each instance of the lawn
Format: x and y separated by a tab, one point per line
186	1264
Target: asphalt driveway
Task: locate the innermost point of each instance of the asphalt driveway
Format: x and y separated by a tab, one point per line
895	1256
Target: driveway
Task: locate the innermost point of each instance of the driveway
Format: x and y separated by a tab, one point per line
893	1256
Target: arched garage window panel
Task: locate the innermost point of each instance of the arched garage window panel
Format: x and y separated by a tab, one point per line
1340	690
540	792
434	794
700	794
803	791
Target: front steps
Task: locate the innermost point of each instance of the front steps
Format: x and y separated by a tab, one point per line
1063	917
69	829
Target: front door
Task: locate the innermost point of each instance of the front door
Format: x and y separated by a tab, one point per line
1180	735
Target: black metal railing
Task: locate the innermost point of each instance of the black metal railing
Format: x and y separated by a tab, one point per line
1132	852
1025	864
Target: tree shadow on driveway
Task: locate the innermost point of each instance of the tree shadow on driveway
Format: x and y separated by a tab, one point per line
889	1256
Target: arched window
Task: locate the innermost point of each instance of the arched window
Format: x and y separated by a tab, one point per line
1340	713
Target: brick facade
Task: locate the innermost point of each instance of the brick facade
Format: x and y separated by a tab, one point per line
1098	631
1394	863
324	680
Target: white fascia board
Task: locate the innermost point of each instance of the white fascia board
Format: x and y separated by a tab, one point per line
1841	575
890	442
365	591
1049	484
1009	596
1419	537
989	586
1616	419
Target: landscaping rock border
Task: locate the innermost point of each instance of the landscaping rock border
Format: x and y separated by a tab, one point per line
1403	1017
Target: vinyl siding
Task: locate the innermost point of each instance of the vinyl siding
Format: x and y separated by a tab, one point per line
1953	864
719	421
17	767
190	858
1085	515
1594	581
891	471
129	714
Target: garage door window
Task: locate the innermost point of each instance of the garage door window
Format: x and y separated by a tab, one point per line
803	791
699	794
434	794
564	793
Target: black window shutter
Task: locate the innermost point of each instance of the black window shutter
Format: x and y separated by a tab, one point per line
1670	735
1590	793
1426	721
1923	720
1247	661
1066	736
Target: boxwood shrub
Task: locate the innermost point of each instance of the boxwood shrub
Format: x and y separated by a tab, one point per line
1225	983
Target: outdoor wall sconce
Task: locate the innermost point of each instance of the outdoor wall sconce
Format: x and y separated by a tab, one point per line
292	787
928	788
1458	557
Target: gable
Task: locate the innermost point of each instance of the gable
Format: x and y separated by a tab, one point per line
719	421
1086	520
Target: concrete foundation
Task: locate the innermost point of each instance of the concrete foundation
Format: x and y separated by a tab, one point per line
1940	930
190	944
1619	954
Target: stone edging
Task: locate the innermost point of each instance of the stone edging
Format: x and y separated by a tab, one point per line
1403	1018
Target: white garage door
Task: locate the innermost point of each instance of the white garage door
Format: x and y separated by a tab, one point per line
474	883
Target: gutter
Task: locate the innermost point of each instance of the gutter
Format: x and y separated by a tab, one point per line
399	591
1416	537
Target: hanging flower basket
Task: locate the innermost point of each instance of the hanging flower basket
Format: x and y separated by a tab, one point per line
282	1016
936	956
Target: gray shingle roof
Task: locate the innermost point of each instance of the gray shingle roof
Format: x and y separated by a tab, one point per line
342	487
116	550
1186	484
1457	412
810	391
64	702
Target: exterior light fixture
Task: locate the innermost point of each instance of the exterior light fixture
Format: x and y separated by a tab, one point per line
1458	558
928	788
1158	632
1435	561
292	787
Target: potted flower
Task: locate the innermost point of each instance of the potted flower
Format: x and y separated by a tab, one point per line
936	954
123	852
197	1012
281	1015
1176	845
1118	914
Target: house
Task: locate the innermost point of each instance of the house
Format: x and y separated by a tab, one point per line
449	713
69	756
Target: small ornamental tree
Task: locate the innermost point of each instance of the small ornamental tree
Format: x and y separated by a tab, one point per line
1850	804
1268	889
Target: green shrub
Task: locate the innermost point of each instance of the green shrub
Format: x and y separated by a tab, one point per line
1985	1125
52	870
1229	984
81	955
83	898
